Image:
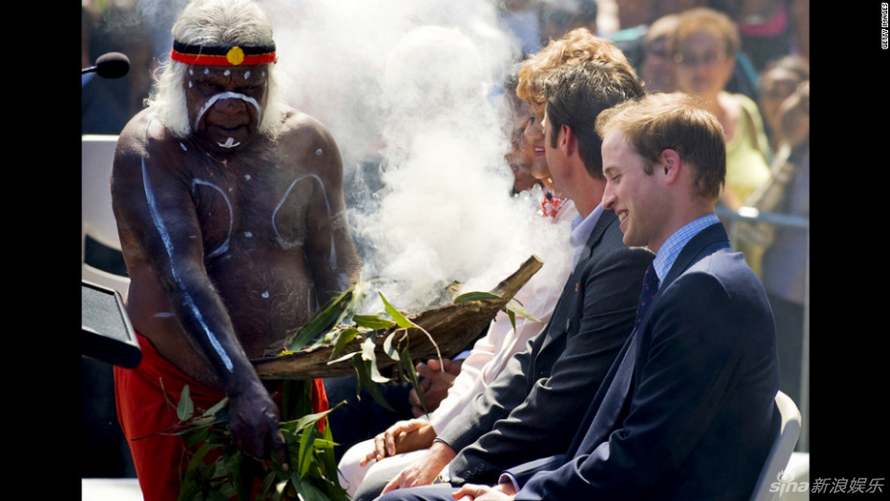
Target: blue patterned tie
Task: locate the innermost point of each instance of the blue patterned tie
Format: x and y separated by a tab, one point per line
650	287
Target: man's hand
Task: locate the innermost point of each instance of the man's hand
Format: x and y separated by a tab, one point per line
434	384
253	419
473	492
425	471
404	436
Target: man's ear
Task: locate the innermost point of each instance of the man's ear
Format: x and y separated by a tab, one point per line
671	164
567	139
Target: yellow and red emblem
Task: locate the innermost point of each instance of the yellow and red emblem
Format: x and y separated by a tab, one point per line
235	56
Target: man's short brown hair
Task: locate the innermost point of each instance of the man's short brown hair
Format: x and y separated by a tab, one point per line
574	47
577	93
675	121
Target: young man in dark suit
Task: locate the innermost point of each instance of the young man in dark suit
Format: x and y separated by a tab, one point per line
686	411
535	405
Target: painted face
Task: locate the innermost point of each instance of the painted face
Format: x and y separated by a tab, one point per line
636	198
703	67
225	104
775	87
534	136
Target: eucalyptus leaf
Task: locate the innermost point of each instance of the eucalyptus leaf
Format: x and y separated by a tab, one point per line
369	355
186	408
310	492
323	443
198	458
372	322
407	365
387	346
343	338
344	358
521	312
396	315
298	425
306	450
216	408
197	437
475	296
363	373
279	488
329	316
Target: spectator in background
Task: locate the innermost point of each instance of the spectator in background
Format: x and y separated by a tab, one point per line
559	17
657	70
522	19
784	264
769	29
780	79
643	12
108	104
704	48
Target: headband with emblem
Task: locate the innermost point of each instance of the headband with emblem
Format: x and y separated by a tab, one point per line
223	56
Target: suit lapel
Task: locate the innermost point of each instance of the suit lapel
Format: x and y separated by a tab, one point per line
608	410
567	305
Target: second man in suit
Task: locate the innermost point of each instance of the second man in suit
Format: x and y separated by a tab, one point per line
535	405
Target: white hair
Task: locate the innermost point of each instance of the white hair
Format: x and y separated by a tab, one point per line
214	23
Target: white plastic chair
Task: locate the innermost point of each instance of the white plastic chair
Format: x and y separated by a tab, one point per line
97	218
768	484
105	489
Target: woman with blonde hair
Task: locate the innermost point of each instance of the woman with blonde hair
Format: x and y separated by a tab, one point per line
704	48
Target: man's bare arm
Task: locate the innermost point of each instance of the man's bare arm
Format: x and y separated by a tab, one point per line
330	250
153	203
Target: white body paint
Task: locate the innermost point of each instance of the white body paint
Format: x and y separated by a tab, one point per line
230	143
248	234
191	71
247	74
227	72
168	247
318	152
226	95
183	146
247	177
191	84
286	244
224	247
206	71
265	294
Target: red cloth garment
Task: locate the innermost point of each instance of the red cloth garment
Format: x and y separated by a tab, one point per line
143	412
319	402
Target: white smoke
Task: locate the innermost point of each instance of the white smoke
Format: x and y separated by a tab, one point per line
410	82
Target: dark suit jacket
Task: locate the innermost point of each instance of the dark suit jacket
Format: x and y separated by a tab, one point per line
535	405
687	410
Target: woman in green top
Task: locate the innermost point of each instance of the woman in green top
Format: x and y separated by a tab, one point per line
703	48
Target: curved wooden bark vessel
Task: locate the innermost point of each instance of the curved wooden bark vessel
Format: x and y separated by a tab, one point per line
452	326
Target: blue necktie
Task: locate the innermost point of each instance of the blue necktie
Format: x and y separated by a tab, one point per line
650	288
